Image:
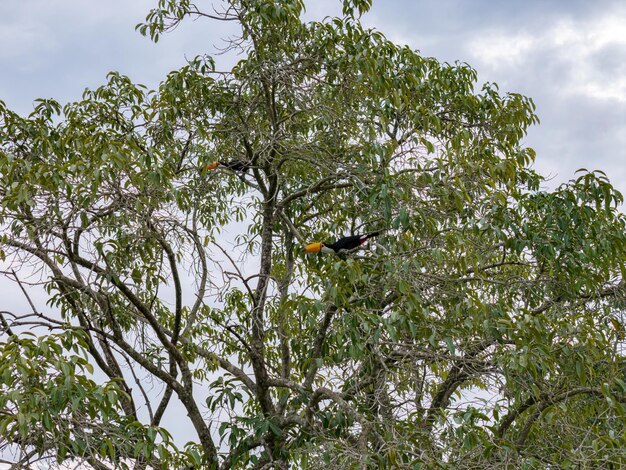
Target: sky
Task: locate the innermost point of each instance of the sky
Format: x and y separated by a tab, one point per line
568	55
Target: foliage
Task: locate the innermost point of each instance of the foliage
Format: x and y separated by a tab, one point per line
481	329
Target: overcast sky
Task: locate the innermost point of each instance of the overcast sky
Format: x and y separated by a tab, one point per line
568	55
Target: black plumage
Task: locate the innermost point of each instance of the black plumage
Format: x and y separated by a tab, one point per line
351	242
236	165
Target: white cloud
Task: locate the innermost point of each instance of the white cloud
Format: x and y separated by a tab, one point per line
603	89
499	48
577	46
609	29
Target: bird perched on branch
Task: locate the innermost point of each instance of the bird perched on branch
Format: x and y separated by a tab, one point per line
343	244
235	165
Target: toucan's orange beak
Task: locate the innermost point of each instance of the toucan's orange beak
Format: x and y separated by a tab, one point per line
313	248
212	166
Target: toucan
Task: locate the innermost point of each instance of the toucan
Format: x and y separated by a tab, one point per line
343	244
235	165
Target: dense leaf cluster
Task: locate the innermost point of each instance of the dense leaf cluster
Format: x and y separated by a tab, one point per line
482	328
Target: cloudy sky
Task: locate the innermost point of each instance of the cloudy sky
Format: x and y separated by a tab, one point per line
568	55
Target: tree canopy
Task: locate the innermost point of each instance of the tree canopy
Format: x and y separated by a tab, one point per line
481	328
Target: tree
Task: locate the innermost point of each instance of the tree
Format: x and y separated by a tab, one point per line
482	328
